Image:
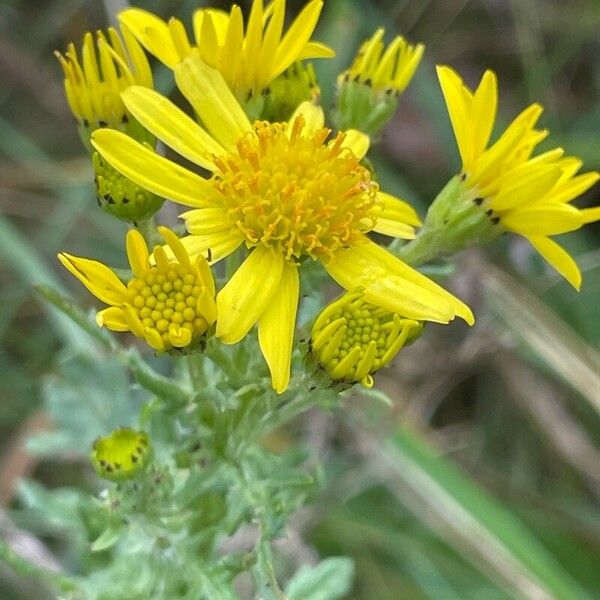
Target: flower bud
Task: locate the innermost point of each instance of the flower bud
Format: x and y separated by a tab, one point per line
122	454
368	92
352	339
121	197
295	85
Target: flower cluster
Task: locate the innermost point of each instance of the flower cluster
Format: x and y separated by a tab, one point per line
276	187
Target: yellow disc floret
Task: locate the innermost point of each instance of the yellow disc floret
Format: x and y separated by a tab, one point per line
351	338
288	188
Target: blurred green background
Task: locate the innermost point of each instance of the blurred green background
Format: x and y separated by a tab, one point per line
514	401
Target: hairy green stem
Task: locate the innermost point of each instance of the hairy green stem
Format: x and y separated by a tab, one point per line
147	227
421	250
196	370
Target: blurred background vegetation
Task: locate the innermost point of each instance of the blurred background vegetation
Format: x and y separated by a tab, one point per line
489	485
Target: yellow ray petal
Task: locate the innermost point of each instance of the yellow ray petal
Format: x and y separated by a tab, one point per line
571	188
393	285
452	89
314	117
220	20
141	66
243	300
253	43
133	320
176	246
404	76
271	39
203	221
151	171
208	93
526	188
485	104
112	318
152	32
398	210
214	246
232	48
591	215
395	229
208	42
137	252
180	337
171	125
316	50
153	338
90	64
96	277
276	328
558	257
357	141
543	219
180	37
296	37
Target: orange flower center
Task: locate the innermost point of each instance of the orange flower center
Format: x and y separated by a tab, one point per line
292	190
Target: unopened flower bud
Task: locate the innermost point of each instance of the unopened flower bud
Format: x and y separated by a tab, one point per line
119	196
294	86
352	339
122	454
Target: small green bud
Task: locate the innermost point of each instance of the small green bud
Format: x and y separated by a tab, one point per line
295	85
121	455
121	197
352	339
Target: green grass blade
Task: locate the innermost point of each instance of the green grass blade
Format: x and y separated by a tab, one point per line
546	334
469	519
32	270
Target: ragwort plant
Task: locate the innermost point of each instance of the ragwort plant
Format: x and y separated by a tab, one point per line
274	198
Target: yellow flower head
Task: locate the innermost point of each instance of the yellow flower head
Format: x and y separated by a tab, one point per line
352	339
122	454
286	191
385	69
248	60
170	304
525	194
93	90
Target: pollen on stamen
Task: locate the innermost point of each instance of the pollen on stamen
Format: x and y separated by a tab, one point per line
291	189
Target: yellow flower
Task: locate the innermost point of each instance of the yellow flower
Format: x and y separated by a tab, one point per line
248	60
382	68
352	339
170	304
525	194
93	91
287	193
367	93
